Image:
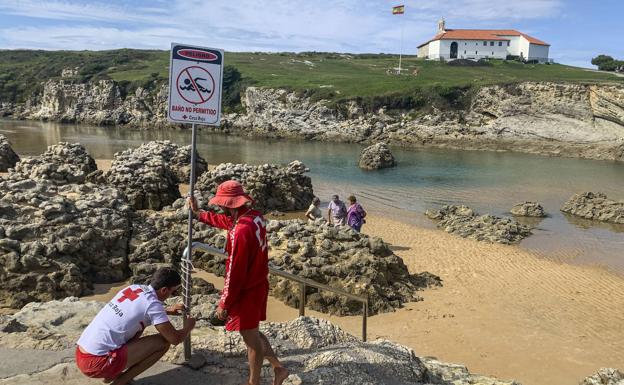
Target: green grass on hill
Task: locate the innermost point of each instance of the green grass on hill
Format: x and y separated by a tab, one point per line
336	77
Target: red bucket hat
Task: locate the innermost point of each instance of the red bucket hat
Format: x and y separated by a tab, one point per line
230	194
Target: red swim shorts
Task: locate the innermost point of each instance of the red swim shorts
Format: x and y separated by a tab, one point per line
249	310
109	366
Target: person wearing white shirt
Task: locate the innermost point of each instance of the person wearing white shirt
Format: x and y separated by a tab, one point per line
112	347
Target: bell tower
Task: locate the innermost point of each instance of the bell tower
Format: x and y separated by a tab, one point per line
441	26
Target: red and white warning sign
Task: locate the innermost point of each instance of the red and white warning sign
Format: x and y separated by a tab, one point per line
195	75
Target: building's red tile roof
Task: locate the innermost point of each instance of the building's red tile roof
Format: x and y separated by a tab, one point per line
482	34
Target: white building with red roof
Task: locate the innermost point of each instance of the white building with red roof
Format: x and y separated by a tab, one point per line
477	44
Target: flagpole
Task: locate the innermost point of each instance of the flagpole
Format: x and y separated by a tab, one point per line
401	47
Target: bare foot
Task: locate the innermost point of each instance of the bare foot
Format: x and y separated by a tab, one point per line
281	373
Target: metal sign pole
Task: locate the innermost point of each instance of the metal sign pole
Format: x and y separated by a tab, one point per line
187	261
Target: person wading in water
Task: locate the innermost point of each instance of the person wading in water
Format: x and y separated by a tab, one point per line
244	297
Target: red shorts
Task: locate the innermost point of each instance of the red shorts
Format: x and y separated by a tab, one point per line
249	310
108	366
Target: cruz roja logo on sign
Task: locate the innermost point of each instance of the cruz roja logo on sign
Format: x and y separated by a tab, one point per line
195	75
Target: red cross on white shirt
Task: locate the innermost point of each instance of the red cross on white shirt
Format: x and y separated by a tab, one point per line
129	294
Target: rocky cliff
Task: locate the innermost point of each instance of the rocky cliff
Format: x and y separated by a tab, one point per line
585	120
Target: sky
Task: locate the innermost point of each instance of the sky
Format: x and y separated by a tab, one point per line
576	29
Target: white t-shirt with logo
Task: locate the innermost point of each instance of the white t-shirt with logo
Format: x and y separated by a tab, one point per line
131	310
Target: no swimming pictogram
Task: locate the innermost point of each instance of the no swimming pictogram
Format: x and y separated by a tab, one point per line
195	85
195	77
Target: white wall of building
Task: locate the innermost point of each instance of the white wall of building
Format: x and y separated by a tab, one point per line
524	48
514	45
434	49
538	52
474	49
467	49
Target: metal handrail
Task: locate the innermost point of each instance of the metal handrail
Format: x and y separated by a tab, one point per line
303	283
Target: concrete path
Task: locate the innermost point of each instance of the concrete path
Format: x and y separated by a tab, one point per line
29	367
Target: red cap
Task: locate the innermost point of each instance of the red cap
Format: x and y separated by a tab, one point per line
230	194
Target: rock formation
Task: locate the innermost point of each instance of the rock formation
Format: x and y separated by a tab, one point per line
605	376
146	178
62	163
338	257
463	221
273	187
56	241
100	103
376	156
317	351
556	119
178	158
595	206
8	157
528	209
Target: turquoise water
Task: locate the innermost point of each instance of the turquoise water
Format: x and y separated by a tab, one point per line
489	182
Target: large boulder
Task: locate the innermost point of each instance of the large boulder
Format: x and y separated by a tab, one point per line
595	206
528	209
8	157
273	187
463	221
145	177
317	352
376	156
338	257
62	163
56	241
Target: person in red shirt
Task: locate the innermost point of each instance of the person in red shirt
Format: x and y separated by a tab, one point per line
243	300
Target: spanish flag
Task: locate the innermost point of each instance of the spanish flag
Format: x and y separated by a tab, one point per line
398	10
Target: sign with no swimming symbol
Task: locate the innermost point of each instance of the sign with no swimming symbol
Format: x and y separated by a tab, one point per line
195	75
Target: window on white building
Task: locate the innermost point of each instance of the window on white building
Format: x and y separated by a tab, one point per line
476	52
508	44
500	43
492	44
492	53
485	43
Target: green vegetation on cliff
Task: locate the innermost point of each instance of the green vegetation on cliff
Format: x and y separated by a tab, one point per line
336	77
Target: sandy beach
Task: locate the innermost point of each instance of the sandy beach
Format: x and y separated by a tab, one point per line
502	311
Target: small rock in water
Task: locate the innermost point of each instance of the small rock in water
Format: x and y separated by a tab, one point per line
463	221
595	206
528	209
376	156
